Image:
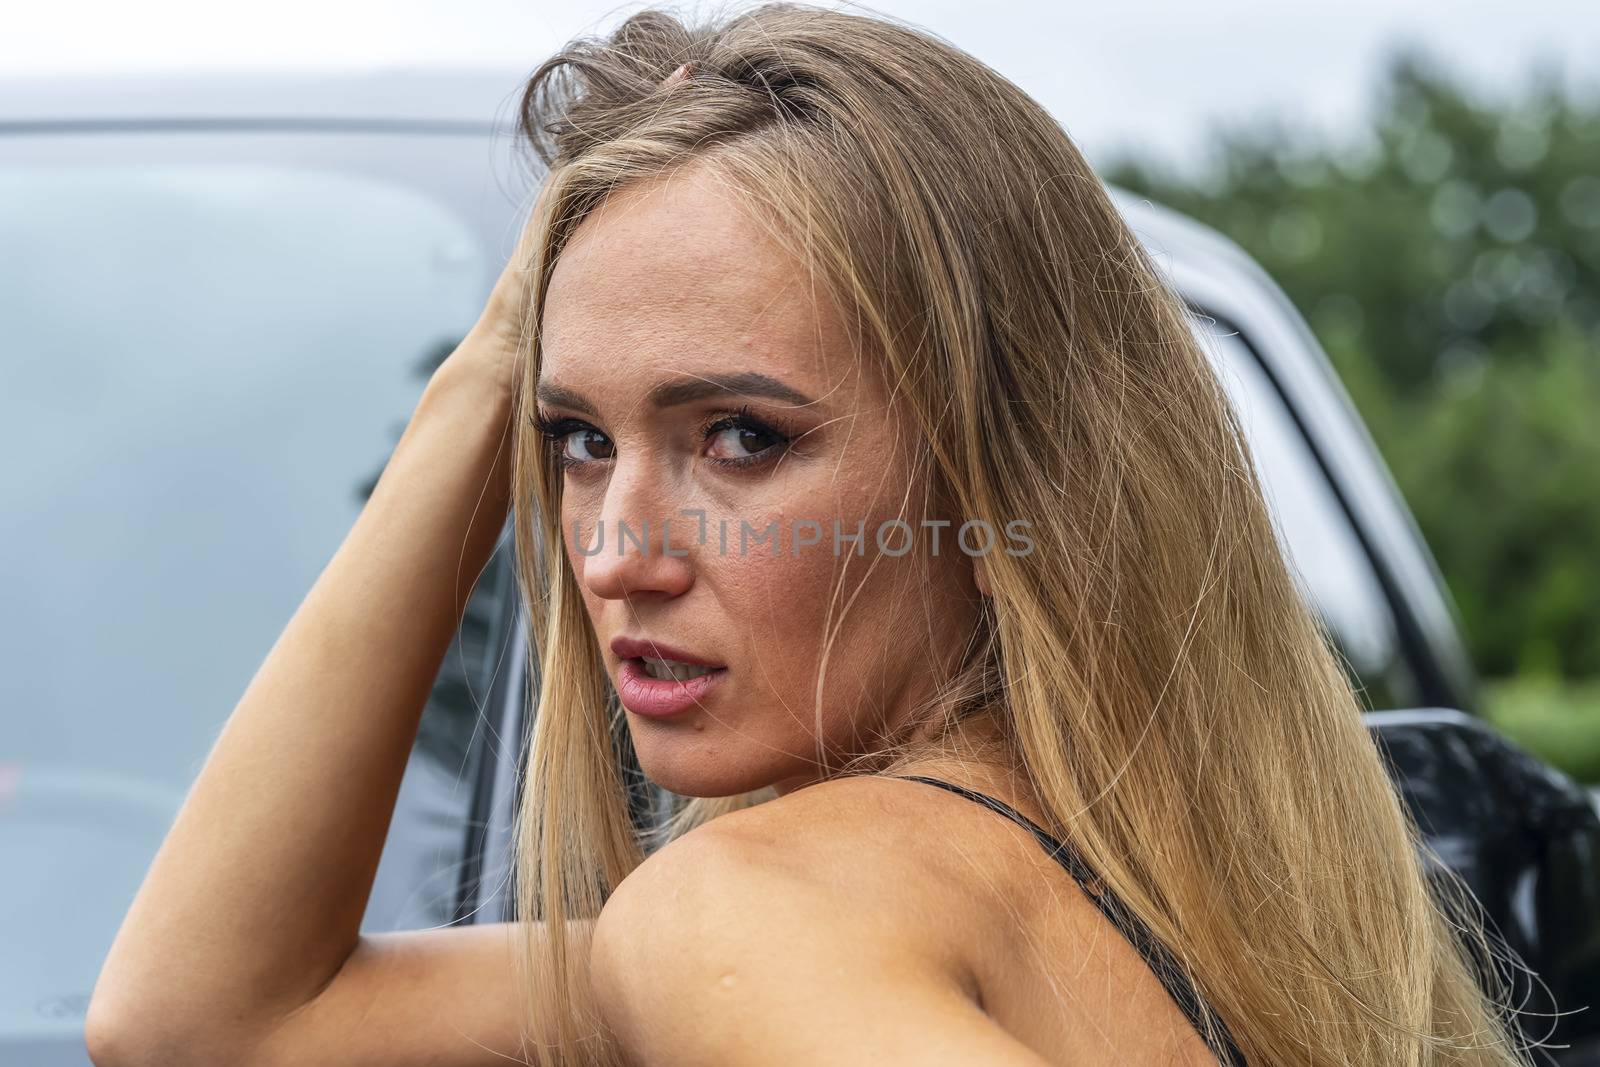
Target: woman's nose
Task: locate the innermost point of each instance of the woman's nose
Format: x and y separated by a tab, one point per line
638	544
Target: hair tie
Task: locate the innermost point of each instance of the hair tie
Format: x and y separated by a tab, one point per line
679	75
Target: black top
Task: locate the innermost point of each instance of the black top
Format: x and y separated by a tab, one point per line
1155	954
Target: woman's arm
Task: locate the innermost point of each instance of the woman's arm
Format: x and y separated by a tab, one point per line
245	932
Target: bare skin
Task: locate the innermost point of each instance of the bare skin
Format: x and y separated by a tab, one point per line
847	921
873	921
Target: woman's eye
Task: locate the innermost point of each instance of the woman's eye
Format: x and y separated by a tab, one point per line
572	441
737	440
741	441
582	446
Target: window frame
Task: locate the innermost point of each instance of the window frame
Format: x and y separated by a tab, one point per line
1340	466
1413	649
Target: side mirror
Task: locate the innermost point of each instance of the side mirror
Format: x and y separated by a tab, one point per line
1525	839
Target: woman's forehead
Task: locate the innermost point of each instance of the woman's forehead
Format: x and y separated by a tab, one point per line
675	277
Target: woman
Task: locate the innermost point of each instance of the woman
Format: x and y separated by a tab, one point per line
804	291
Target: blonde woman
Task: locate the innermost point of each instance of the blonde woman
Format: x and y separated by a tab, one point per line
866	468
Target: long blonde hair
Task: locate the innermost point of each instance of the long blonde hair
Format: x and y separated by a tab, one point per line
1177	708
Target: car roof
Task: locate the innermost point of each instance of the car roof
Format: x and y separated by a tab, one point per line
394	95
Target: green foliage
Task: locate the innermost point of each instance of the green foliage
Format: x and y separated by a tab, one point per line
1558	722
1450	265
1501	465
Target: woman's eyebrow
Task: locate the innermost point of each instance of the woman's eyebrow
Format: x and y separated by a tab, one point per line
687	390
750	383
556	396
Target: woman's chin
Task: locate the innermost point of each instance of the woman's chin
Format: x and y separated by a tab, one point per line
701	767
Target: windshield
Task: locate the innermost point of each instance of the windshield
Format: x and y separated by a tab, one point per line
206	369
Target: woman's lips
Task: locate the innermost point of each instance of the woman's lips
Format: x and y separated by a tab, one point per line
624	647
655	697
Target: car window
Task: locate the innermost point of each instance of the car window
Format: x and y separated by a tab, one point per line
206	370
1330	564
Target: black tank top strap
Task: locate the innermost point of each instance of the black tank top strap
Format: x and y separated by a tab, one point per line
1154	953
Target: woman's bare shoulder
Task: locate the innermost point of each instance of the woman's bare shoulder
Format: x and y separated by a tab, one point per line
872	853
818	904
847	835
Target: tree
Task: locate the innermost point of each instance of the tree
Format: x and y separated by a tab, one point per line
1450	265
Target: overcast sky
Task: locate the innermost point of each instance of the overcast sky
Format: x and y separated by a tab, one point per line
1129	73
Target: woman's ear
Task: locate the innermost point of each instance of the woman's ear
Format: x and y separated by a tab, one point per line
980	574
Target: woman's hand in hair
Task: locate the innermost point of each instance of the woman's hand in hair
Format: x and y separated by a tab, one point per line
494	348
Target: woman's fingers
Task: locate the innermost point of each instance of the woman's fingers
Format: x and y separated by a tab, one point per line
497	341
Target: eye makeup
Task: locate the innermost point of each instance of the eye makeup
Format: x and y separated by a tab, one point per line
763	440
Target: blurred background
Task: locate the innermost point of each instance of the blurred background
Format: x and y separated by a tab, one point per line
205	207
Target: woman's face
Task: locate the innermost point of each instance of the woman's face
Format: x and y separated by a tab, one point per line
694	381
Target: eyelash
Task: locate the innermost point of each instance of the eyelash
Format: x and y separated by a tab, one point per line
557	430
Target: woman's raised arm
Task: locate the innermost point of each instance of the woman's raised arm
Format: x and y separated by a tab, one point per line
243	944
